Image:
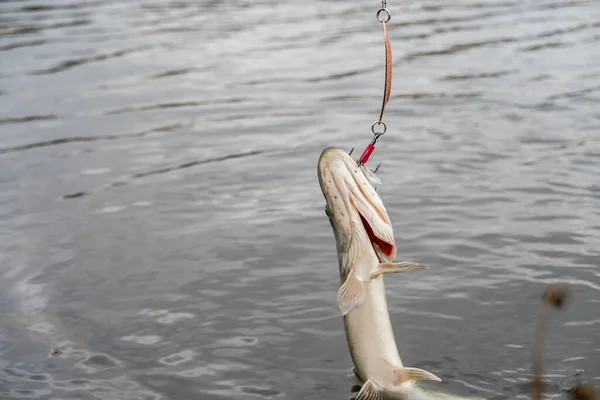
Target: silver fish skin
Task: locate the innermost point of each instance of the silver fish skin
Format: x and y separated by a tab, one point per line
366	251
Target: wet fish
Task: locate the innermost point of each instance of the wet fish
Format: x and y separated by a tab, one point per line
363	231
367	250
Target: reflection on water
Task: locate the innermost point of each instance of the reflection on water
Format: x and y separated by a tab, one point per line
162	231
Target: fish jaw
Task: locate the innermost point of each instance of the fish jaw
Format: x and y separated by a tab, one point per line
357	215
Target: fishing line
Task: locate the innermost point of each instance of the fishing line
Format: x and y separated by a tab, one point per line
379	127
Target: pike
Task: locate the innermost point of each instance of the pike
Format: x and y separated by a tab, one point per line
366	251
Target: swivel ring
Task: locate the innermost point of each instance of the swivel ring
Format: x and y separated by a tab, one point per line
381	131
386	17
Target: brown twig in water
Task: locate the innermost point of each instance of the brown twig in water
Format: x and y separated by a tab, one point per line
554	297
584	391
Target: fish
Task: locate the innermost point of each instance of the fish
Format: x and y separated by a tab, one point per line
362	228
366	251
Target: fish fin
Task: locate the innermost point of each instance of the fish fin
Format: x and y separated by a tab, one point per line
356	246
370	391
402	375
394	268
351	293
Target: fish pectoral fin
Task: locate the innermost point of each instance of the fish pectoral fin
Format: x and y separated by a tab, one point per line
402	375
352	293
370	391
394	268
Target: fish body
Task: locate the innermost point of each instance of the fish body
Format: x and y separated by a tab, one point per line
363	231
366	251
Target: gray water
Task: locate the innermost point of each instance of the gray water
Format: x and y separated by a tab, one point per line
162	231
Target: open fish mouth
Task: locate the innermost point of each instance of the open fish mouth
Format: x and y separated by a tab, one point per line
379	245
352	201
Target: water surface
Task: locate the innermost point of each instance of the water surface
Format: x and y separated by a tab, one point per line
163	235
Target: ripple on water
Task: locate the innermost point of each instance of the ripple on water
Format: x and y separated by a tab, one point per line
95	171
144	340
167	317
111	209
173	318
99	362
180	357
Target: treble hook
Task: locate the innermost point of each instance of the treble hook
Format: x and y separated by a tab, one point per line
377	168
351	151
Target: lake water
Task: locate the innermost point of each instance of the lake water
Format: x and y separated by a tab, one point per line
162	231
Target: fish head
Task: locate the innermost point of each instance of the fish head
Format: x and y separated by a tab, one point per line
357	215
